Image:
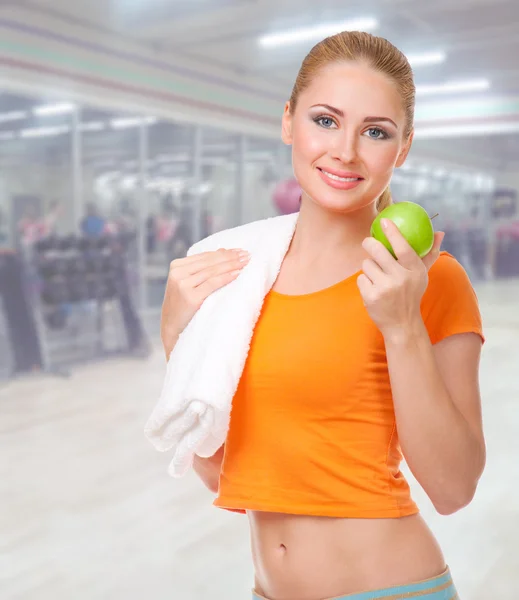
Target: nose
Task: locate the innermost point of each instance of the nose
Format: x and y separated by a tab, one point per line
346	147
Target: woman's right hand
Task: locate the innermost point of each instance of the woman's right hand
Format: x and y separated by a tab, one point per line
190	281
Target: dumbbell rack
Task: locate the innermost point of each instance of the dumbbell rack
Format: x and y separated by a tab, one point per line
77	284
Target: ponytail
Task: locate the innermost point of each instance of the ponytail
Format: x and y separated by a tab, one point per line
385	200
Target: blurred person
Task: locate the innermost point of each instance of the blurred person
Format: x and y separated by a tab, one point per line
92	224
31	227
166	224
357	361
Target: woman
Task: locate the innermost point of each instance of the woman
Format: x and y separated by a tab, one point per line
356	357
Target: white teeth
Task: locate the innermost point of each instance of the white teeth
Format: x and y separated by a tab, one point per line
337	178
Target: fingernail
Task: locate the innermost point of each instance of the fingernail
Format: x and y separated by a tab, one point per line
384	223
244	256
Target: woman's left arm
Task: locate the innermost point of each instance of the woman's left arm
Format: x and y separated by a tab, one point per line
438	412
435	388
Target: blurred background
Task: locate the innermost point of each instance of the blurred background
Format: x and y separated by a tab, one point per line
128	131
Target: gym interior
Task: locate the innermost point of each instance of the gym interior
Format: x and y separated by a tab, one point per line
128	132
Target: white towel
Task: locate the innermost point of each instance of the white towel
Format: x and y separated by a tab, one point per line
193	412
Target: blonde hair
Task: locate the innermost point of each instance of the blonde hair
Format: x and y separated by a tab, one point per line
375	52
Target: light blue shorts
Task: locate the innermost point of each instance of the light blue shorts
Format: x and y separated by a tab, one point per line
438	588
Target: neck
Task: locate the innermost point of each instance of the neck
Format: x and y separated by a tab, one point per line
323	235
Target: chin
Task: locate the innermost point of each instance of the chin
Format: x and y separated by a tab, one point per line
341	202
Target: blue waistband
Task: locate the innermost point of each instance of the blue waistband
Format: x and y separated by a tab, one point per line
438	588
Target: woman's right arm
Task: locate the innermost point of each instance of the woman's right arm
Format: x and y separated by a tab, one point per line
190	281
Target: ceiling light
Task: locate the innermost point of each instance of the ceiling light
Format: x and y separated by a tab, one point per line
54	109
92	126
44	131
465	130
304	34
125	123
454	87
427	58
13	116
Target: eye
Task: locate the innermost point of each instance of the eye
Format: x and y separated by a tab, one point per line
375	133
324	121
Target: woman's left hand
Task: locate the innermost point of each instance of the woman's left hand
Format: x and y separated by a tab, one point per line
392	289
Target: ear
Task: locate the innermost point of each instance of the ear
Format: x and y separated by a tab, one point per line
286	125
402	157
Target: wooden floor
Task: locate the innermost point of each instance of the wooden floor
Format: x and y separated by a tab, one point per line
89	513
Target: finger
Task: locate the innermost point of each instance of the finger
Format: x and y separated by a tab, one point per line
405	254
434	254
365	286
194	264
212	271
381	255
209	286
195	257
372	271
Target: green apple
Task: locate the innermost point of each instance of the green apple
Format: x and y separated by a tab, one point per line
413	222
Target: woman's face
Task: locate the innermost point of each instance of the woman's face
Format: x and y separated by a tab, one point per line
347	136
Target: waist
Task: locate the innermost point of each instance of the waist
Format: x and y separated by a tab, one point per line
320	557
440	587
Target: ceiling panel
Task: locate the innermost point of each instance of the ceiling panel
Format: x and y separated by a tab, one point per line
481	37
133	16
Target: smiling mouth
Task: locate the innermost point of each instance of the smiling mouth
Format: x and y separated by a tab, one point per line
337	178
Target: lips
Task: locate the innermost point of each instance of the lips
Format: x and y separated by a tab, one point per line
339	182
341	174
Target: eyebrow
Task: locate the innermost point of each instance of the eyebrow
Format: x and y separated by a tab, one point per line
339	113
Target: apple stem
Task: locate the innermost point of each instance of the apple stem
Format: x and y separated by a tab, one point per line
436	215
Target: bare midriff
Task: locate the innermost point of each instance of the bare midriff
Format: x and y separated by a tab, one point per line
311	558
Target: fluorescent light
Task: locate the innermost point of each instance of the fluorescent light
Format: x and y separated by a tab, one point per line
474	129
320	31
36	132
49	110
132	122
92	126
124	123
427	58
17	115
454	87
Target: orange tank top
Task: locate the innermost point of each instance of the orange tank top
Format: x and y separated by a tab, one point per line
312	426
